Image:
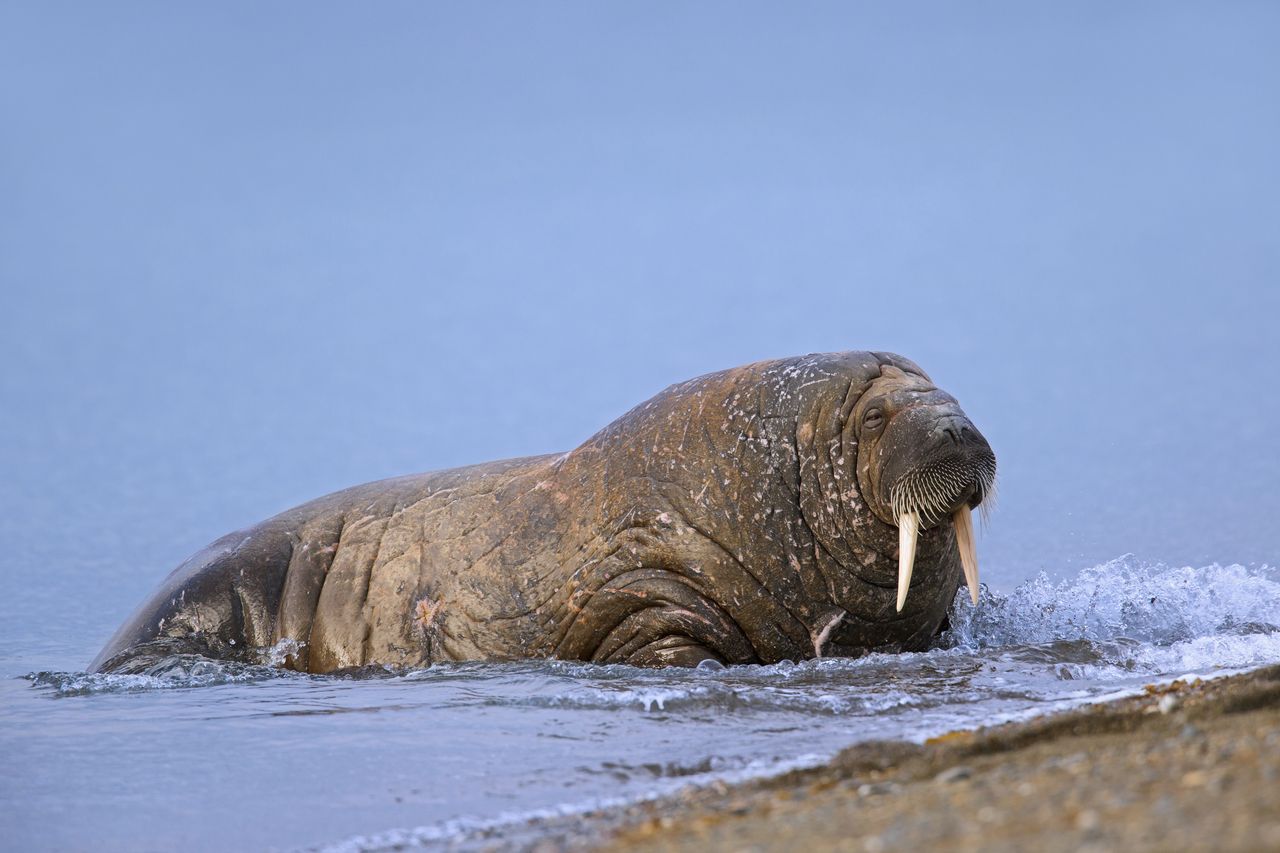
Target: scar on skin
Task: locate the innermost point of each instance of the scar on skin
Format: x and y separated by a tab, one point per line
425	613
820	638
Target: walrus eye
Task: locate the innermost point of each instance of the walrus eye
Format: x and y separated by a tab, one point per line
873	419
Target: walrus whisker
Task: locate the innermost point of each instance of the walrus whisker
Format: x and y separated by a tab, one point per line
990	495
925	496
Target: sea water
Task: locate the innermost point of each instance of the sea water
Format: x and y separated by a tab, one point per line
204	755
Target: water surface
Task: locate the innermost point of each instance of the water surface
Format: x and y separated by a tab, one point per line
215	756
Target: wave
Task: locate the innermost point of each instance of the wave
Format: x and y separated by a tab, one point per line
748	695
174	672
178	672
531	828
1123	598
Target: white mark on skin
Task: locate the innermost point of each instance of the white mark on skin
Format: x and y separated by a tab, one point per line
821	639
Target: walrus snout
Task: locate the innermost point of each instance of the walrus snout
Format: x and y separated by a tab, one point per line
937	466
935	462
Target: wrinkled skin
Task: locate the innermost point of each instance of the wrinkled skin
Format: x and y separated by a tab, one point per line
741	517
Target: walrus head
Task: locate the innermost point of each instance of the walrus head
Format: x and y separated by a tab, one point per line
921	461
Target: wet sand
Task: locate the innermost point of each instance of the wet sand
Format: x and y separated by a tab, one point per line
1191	766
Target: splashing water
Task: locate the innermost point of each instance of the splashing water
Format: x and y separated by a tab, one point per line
178	671
1124	598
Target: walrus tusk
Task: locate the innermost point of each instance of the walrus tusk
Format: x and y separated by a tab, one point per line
963	523
908	526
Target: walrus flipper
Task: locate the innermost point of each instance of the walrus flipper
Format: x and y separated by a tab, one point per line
221	603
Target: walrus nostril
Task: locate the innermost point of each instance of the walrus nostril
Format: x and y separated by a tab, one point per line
956	431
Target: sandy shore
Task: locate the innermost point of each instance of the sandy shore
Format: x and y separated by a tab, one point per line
1192	766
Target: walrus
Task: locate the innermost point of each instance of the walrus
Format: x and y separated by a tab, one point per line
808	507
